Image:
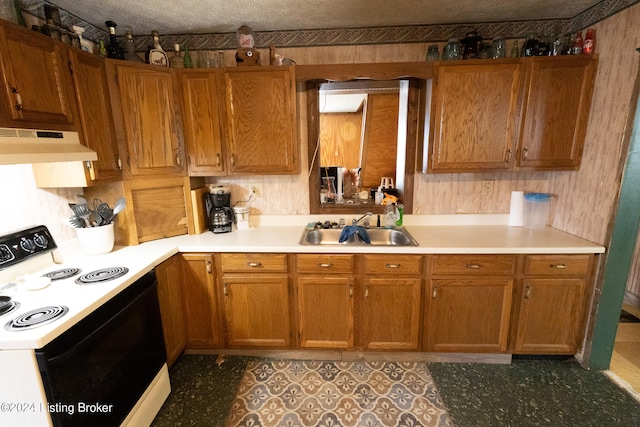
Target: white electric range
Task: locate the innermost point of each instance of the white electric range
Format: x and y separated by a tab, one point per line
83	320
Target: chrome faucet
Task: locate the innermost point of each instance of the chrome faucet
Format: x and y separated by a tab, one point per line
356	221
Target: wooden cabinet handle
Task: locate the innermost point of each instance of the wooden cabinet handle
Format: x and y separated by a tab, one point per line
177	159
218	159
18	105
525	153
325	265
434	293
508	159
351	289
366	291
209	267
233	160
254	264
474	266
560	266
392	265
527	292
225	289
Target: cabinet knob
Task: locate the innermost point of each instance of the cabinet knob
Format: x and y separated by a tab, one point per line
473	266
254	264
218	159
233	160
527	292
392	265
209	267
434	293
225	289
508	159
178	160
525	153
366	291
351	289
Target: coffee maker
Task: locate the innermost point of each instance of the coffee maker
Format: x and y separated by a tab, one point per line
221	216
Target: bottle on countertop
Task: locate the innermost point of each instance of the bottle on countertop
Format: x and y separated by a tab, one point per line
156	55
130	51
176	61
379	196
114	50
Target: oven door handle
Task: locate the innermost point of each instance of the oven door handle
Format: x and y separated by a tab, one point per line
95	334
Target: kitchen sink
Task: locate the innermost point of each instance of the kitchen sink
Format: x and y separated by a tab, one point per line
397	236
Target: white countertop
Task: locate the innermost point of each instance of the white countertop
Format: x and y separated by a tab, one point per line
435	234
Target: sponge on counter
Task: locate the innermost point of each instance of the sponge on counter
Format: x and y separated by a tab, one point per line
389	199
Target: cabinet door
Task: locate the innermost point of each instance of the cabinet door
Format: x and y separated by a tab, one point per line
95	113
391	314
469	315
170	291
326	312
256	311
37	85
475	110
148	110
556	111
202	319
261	120
203	138
551	311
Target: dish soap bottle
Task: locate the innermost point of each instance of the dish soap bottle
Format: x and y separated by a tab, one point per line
390	214
379	196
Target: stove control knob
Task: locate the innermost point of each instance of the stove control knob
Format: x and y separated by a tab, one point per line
40	241
27	245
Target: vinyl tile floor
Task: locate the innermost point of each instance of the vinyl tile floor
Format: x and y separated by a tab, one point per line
525	393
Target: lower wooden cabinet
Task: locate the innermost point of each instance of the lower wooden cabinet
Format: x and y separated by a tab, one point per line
325	307
255	300
469	315
170	290
202	317
469	303
551	304
391	314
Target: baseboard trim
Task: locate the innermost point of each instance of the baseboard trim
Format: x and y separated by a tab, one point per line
369	356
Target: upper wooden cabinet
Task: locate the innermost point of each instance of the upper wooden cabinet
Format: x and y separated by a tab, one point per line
144	102
95	113
201	100
556	110
474	116
510	114
37	90
261	123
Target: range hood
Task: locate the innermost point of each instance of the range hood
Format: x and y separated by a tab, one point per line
41	146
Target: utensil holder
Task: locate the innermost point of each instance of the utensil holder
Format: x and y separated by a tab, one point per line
96	240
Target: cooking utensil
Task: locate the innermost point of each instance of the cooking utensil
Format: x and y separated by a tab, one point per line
120	204
76	222
82	211
105	212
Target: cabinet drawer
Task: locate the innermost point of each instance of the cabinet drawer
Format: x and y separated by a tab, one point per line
558	264
319	263
474	264
264	263
396	264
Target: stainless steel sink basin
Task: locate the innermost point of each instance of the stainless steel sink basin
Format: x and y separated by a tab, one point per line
378	236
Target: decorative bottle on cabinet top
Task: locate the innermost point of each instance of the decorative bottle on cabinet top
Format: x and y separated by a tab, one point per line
157	55
176	61
130	51
114	50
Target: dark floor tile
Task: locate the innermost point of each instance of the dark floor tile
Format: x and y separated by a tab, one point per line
201	391
532	393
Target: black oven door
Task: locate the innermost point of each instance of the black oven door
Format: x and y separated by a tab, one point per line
96	371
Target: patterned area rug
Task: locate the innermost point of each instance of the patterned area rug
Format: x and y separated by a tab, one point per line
332	394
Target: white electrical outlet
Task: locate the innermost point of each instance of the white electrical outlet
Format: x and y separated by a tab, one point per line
256	189
487	187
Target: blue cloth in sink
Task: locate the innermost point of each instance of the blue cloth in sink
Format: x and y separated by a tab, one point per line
350	230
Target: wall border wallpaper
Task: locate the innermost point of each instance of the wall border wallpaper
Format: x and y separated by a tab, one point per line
354	36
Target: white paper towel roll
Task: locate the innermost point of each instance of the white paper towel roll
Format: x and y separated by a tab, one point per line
516	211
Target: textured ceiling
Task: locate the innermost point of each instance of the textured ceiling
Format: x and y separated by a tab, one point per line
224	16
